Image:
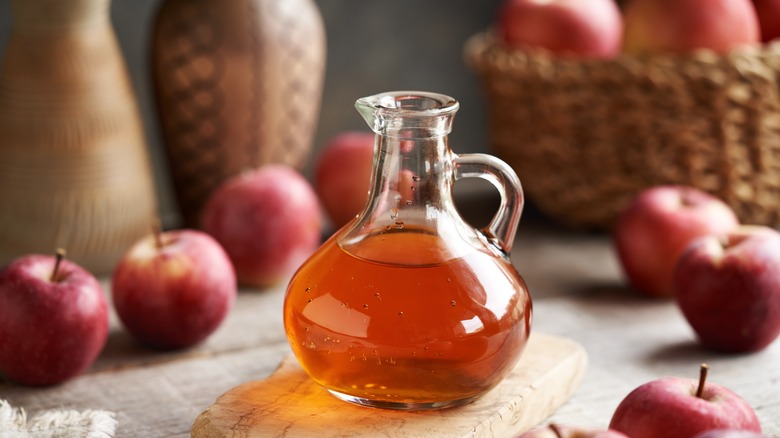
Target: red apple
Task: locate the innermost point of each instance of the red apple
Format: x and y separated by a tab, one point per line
53	319
562	431
581	28
730	433
728	288
657	226
172	290
342	174
679	26
768	12
673	406
268	220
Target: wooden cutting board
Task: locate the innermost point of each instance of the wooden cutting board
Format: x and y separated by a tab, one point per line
290	404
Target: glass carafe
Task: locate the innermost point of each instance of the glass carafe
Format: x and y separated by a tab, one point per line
408	306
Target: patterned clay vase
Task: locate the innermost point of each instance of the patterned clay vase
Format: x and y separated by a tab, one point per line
238	85
74	164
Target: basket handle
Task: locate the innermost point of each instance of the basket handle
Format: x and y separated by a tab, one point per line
502	228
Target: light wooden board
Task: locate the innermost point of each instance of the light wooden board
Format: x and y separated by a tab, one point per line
288	403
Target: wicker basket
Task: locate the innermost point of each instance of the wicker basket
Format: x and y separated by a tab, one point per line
586	136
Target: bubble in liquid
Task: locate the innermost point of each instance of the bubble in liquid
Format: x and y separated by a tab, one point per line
311	345
401	314
307	290
309	301
376	295
306	329
365	306
452	303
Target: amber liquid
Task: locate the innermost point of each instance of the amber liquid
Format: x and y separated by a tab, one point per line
412	333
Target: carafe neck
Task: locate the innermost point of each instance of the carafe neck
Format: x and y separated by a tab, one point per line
412	181
411	185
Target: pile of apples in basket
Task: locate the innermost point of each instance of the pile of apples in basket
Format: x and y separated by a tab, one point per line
604	29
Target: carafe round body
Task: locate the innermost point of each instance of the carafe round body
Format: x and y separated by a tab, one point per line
412	333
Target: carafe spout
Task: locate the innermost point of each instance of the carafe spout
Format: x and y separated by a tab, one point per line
411	113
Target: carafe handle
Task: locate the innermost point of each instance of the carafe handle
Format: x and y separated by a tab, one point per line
502	228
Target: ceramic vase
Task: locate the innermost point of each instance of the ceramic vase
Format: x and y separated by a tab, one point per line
238	85
74	164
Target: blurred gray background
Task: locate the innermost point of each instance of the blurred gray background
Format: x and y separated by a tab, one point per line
373	46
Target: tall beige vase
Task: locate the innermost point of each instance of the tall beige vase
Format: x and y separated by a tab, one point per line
238	85
74	165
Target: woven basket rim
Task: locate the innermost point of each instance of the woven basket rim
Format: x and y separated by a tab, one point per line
485	50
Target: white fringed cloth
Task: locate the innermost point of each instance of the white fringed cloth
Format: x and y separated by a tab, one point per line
55	423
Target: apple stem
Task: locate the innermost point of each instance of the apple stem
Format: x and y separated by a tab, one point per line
59	254
157	232
556	430
702	379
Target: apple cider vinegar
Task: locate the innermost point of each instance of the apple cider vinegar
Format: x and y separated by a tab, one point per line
406	333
